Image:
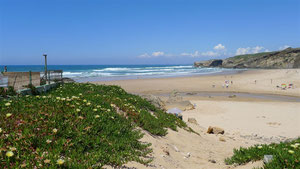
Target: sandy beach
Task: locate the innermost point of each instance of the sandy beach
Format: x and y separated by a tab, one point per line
251	81
246	120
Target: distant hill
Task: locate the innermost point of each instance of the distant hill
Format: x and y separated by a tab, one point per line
284	59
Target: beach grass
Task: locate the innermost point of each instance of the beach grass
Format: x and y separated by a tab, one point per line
79	126
285	155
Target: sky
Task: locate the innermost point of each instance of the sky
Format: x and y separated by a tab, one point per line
99	32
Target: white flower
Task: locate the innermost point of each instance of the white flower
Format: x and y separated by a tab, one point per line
0	130
88	104
8	114
58	98
84	100
94	109
44	97
259	147
48	141
291	151
54	130
97	116
7	104
13	148
294	146
60	161
78	110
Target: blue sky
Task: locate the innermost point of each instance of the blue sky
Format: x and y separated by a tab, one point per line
143	31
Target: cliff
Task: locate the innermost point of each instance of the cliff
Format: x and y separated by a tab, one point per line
288	58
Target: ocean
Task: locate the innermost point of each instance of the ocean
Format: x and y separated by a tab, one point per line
82	73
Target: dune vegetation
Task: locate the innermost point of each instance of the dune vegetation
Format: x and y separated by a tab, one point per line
285	155
79	126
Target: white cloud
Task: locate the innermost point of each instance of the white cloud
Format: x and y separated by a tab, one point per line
257	49
195	54
284	47
198	54
154	54
249	50
145	55
219	47
210	53
158	54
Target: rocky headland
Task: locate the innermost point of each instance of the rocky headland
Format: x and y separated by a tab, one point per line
284	59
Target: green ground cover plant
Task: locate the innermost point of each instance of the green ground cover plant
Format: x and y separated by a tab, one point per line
285	155
79	126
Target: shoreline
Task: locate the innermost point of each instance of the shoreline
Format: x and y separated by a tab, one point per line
243	82
140	77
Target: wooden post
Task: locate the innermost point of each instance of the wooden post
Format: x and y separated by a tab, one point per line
45	74
30	78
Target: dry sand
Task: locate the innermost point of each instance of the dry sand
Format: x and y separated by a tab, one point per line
246	121
242	82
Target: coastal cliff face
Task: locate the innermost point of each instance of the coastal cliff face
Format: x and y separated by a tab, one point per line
288	58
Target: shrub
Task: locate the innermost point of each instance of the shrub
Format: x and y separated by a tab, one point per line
78	126
285	155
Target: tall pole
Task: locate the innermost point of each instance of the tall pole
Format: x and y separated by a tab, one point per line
45	66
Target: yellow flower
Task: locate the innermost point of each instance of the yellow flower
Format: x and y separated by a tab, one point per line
60	161
58	98
94	109
80	94
37	96
291	151
88	104
23	165
9	154
0	130
44	97
47	161
54	130
97	116
84	100
259	147
7	104
78	110
8	114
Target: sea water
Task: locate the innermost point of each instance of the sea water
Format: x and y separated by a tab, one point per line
83	73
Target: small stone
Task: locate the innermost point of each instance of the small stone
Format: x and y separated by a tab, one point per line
222	139
268	158
212	161
215	130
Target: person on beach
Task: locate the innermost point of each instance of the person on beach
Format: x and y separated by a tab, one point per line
5	68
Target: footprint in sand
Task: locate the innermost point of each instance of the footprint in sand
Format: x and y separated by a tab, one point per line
273	124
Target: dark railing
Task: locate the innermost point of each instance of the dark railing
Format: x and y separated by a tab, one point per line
52	76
